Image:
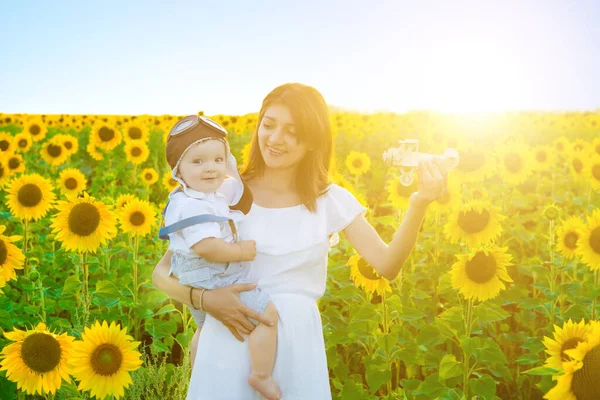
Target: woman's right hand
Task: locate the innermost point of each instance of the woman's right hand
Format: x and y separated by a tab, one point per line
224	304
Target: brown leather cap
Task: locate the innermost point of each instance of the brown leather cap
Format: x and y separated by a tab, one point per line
201	128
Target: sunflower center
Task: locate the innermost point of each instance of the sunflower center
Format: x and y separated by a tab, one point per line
568	345
586	381
137	218
30	195
3	252
596	172
71	183
513	162
106	359
35	129
551	213
84	218
3	145
22	143
106	134
570	240
136	151
148	176
406	191
595	240
366	270
135	132
472	221
357	163
471	161
68	145
541	156
40	352
14	163
481	268
577	165
54	150
1	171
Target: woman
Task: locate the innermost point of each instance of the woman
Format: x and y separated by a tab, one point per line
295	212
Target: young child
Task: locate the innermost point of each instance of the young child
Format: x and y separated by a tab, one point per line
202	231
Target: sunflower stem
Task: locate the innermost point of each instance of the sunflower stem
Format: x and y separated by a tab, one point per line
595	296
135	284
25	247
86	305
466	357
385	333
42	300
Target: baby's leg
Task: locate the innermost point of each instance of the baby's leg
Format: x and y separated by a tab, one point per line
263	345
194	346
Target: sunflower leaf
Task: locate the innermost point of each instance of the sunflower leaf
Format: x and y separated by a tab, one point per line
488	313
449	367
541	371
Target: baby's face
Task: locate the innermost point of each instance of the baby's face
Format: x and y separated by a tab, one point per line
204	166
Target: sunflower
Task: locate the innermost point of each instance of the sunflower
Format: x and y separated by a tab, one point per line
106	136
588	246
6	144
592	171
83	224
561	145
22	142
149	176
15	163
137	217
358	163
30	197
568	236
451	200
92	150
136	151
565	338
246	154
581	144
123	200
596	145
551	212
103	359
399	194
474	164
339	179
365	276
69	142
11	257
72	182
543	158
38	359
136	130
475	222
581	380
4	172
36	129
169	182
479	274
514	163
476	193
54	153
578	160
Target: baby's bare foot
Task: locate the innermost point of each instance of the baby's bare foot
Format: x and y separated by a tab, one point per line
265	385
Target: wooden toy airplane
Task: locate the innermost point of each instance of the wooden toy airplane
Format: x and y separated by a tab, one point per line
407	158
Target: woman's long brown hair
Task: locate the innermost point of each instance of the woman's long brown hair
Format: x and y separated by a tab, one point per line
311	119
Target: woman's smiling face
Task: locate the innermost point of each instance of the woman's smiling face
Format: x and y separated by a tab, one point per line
277	139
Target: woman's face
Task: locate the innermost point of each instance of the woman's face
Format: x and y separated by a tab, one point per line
277	139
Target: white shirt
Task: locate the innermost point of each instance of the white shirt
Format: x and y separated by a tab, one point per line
188	203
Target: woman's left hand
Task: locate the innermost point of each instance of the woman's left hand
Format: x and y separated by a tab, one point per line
433	182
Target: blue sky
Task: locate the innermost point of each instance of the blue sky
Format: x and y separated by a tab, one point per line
158	57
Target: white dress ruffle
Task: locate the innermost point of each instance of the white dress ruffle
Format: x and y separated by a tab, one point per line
291	266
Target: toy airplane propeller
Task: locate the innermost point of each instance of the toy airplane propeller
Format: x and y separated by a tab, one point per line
407	158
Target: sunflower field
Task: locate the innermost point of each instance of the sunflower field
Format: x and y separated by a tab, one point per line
498	300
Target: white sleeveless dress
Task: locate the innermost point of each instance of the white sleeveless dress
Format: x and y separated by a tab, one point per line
291	265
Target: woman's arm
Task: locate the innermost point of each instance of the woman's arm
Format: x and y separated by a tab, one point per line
223	304
388	259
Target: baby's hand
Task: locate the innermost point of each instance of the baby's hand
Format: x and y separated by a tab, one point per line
248	250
